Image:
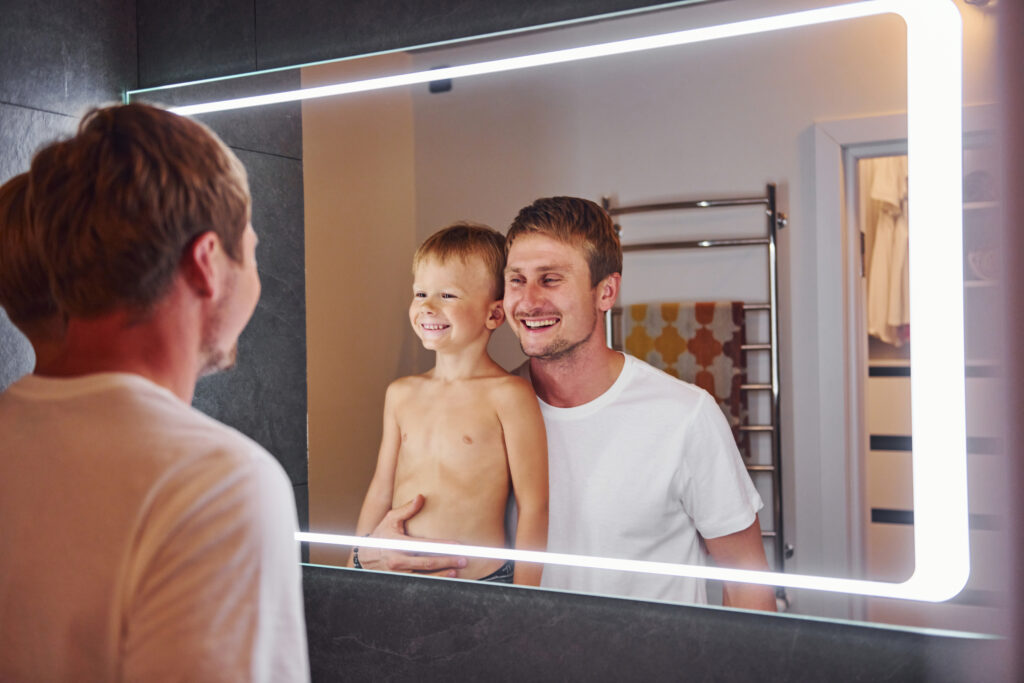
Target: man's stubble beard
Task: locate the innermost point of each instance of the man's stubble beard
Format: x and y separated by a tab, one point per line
213	358
215	361
560	349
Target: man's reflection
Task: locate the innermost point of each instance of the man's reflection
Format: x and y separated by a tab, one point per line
641	465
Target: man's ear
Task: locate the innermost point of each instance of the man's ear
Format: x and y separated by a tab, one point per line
608	291
200	264
496	315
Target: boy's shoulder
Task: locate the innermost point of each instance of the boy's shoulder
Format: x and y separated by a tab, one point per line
500	386
405	385
508	387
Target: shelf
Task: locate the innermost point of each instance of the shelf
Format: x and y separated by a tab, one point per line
981	206
980	284
888	362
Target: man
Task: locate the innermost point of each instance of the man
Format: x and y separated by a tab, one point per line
140	539
641	465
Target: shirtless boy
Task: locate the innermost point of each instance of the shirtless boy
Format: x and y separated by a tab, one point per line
465	434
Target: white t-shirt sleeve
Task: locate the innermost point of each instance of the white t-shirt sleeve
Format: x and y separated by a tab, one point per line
215	590
715	488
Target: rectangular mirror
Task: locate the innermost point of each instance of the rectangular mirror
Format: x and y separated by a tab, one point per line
723	101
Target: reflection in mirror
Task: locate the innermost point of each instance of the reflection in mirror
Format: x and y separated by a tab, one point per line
382	170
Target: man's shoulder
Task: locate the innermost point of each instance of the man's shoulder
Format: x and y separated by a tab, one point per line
658	384
180	433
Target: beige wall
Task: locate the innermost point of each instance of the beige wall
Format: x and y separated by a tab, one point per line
359	243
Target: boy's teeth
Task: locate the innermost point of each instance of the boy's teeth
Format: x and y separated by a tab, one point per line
433	326
534	324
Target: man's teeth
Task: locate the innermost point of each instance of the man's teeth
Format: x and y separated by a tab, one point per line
534	324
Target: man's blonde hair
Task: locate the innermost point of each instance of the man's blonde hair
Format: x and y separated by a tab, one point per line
464	241
578	222
116	205
24	284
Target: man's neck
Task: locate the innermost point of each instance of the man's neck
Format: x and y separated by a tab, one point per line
163	348
578	378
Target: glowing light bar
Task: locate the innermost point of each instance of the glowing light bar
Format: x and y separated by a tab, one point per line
934	65
881	589
618	47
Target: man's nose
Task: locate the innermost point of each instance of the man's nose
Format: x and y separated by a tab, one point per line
530	297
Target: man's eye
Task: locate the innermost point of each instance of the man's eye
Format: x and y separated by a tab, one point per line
550	280
514	281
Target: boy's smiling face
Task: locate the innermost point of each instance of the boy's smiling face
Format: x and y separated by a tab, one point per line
452	303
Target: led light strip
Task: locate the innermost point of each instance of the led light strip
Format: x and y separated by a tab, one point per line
934	46
618	47
877	588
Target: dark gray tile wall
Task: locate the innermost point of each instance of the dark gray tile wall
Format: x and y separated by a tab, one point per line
64	56
182	41
57	59
368	626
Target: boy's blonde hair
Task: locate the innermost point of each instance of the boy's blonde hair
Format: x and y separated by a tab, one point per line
577	222
465	240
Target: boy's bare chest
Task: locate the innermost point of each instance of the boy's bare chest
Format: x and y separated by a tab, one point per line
449	424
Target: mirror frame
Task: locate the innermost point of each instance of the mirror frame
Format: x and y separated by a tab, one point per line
934	135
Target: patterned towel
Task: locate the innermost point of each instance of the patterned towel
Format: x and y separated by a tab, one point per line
699	343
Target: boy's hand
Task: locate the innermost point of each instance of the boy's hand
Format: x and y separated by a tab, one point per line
393	526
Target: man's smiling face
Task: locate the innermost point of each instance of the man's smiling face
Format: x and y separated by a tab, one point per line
549	301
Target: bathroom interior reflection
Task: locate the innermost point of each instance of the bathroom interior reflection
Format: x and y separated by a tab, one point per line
724	119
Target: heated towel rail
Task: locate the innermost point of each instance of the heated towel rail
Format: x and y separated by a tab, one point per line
774	221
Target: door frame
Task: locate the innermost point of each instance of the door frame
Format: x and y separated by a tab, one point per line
842	329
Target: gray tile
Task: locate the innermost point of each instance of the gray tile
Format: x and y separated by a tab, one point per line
274	129
65	56
192	39
265	395
16	357
23	131
302	505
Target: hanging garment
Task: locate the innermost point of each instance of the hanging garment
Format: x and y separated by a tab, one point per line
889	273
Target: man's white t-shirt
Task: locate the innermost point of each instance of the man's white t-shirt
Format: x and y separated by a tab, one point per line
141	540
641	472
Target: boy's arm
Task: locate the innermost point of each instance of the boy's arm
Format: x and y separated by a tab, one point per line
377	502
527	449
